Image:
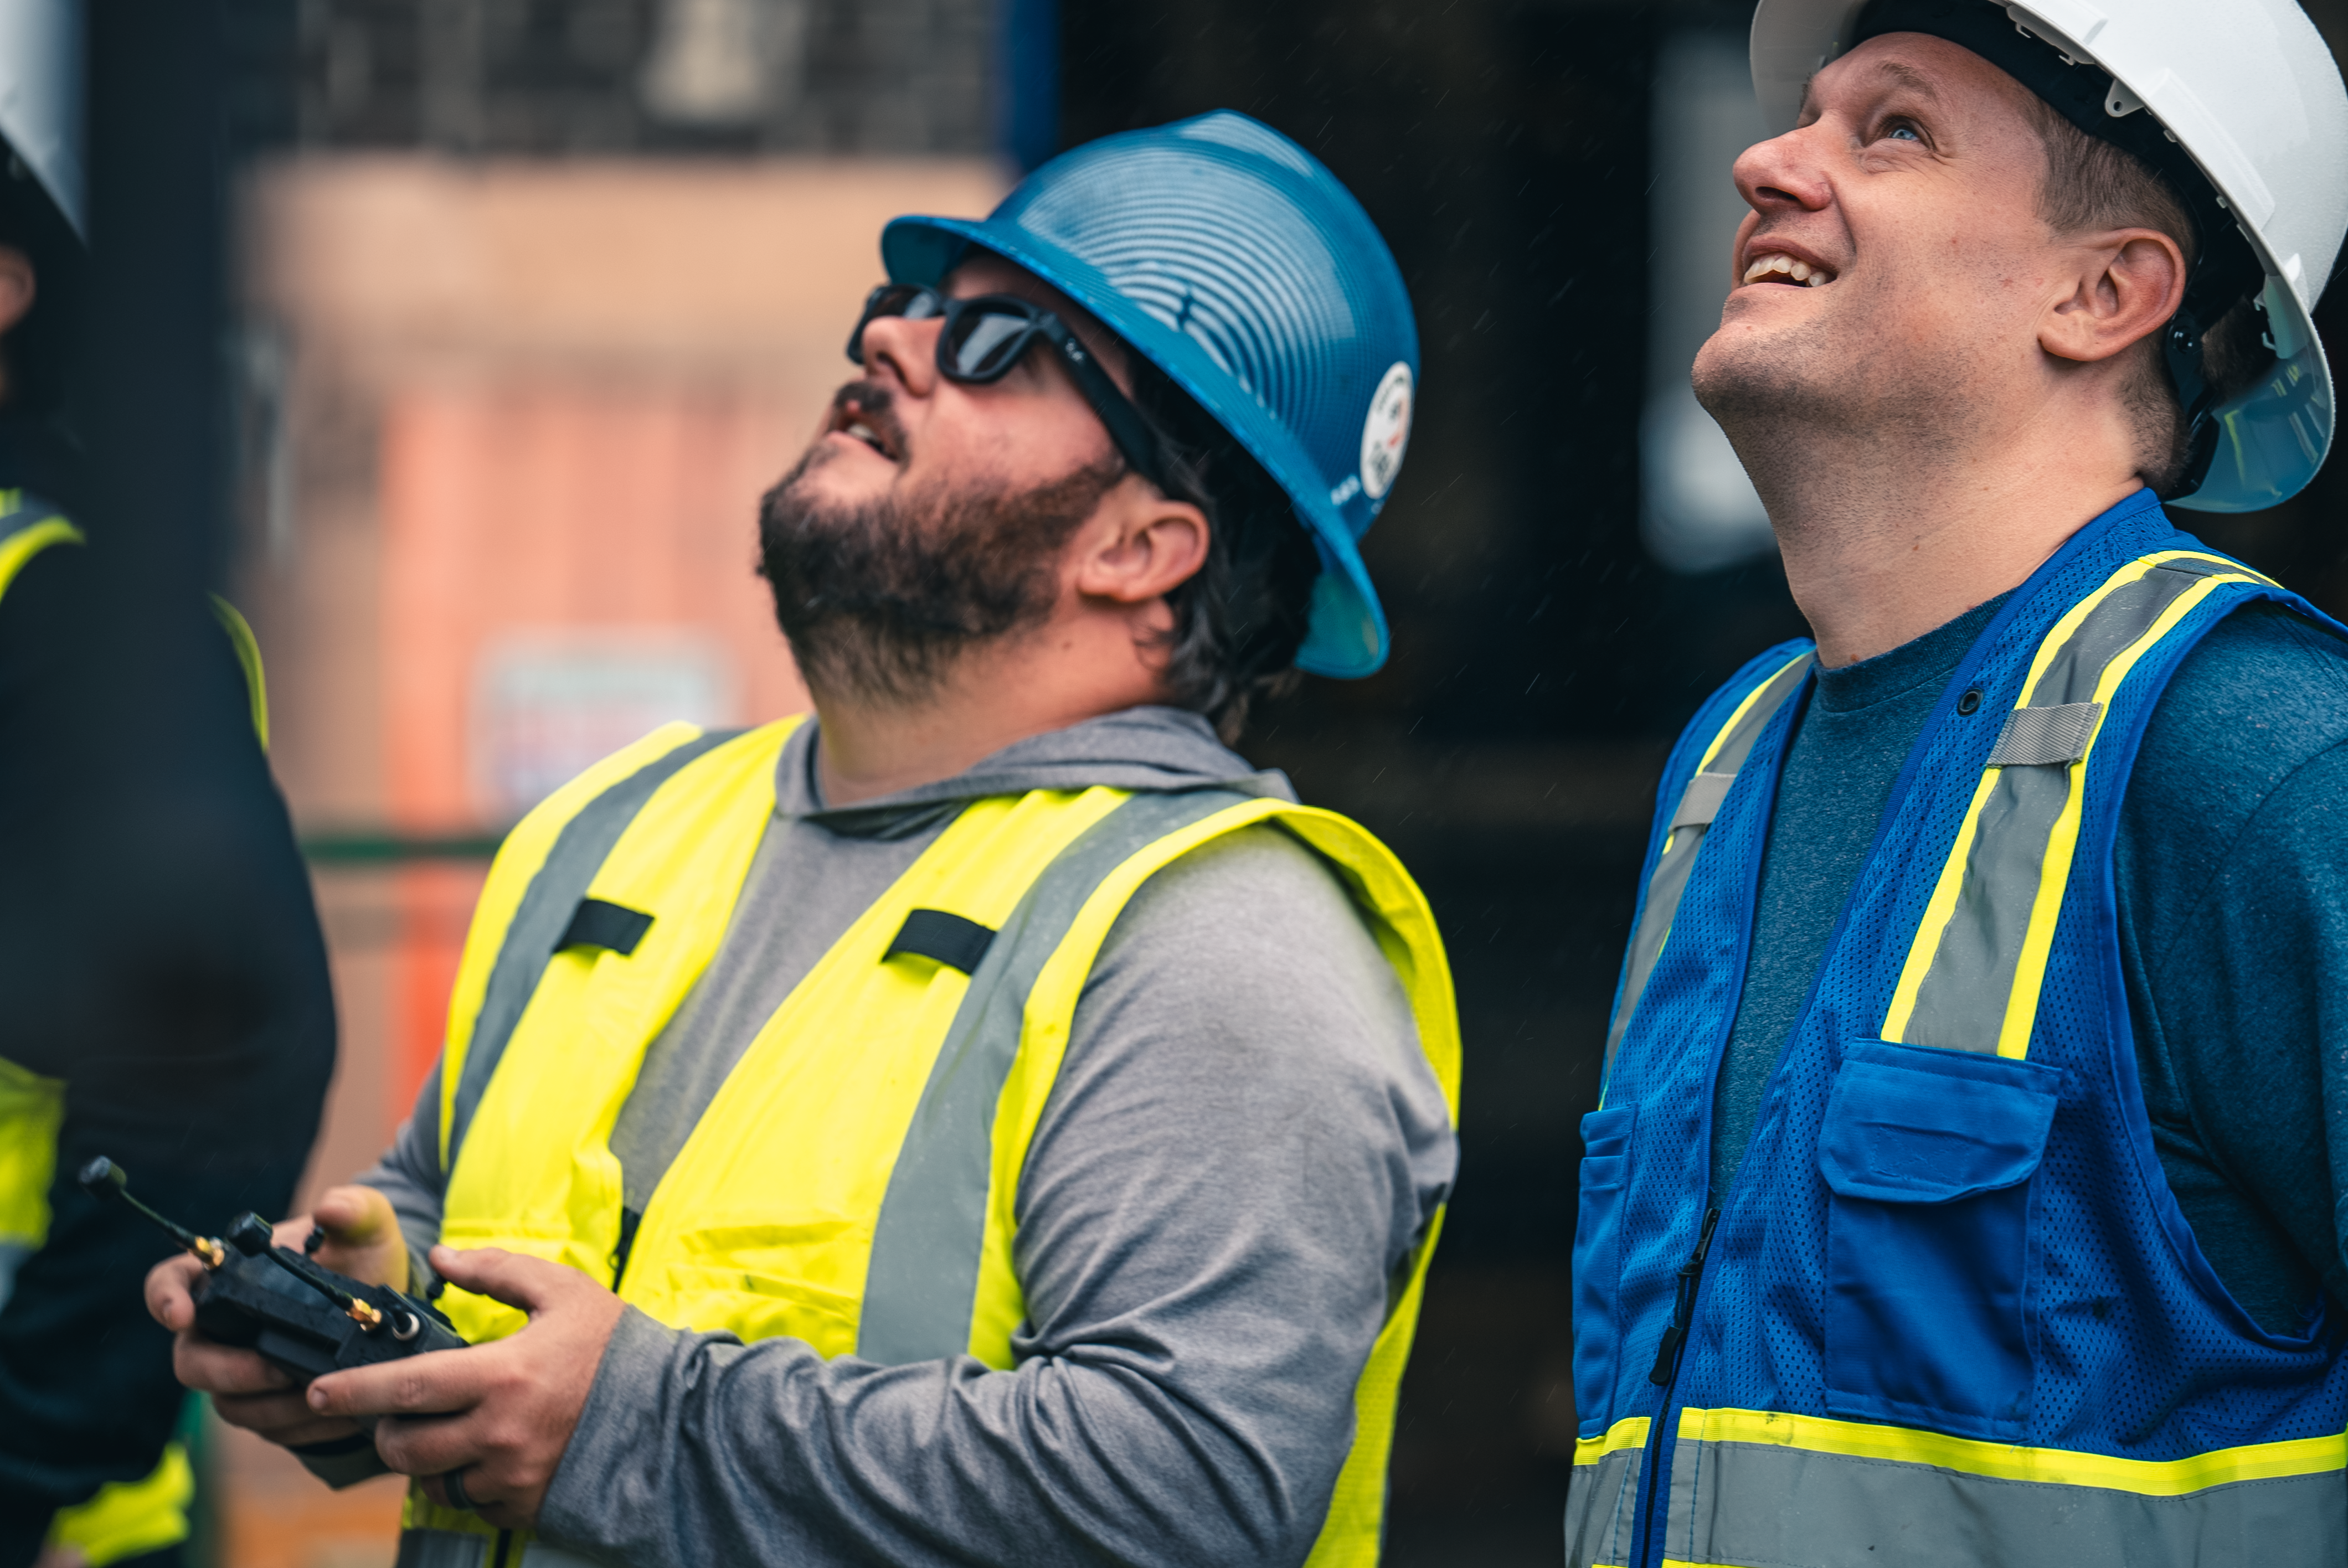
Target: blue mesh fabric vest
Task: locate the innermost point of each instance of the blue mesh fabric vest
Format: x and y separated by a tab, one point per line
1949	1314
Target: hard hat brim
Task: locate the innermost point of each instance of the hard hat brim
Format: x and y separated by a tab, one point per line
2274	436
1347	631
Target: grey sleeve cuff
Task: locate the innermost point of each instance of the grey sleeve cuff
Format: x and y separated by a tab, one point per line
346	1462
615	1427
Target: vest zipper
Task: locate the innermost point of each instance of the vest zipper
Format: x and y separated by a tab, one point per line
1665	1375
629	1220
1667	1354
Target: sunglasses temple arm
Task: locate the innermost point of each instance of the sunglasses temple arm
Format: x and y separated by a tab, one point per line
1127	428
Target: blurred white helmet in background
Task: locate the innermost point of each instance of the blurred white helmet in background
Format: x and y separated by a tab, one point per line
41	98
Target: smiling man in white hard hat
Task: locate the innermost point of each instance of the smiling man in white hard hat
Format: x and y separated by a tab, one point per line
1969	1182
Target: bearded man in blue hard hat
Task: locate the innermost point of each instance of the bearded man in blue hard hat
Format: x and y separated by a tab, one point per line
985	1121
1971	1178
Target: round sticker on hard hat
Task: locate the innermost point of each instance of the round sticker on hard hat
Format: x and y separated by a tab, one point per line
1387	432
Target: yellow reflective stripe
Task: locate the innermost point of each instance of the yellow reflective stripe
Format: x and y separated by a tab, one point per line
1405	932
1937	913
1406	935
248	658
517	860
1629	1432
2004	1461
19	547
131	1518
1353	1527
2063	843
2232	568
2021	1011
1944	904
26	543
1720	736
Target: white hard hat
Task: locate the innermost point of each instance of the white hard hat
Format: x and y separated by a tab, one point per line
40	97
2247	90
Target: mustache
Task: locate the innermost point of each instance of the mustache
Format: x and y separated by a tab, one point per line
875	405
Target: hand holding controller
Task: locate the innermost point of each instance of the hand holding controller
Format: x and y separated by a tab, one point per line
256	1320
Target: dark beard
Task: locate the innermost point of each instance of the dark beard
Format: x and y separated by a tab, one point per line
877	599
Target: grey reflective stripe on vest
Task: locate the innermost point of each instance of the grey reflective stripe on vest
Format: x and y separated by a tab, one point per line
1698	804
1961	1005
921	1284
546	908
2051	737
1760	1502
1601	1503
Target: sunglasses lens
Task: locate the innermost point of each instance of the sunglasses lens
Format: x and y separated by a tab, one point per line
909	301
982	343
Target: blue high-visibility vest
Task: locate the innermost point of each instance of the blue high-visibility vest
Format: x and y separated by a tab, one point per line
1949	1312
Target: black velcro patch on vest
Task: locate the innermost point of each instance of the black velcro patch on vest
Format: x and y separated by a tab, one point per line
951	939
613	927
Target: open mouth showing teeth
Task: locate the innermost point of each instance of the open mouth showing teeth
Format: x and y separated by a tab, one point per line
1780	268
866	434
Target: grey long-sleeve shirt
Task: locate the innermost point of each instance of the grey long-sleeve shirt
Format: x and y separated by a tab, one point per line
1243	1146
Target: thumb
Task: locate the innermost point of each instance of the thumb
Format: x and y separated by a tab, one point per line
515	1278
356	1216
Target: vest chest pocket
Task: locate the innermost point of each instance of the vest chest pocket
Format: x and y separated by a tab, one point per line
1928	1154
1598	1263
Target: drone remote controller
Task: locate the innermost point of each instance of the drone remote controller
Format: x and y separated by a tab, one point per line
308	1319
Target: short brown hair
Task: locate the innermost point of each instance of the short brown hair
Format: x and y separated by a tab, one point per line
2094	184
1238	623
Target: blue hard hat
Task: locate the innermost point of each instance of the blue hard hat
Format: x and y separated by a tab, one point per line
1236	263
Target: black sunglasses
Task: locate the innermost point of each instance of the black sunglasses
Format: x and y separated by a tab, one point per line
983	338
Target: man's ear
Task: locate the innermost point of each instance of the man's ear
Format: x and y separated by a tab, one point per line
2128	283
1138	544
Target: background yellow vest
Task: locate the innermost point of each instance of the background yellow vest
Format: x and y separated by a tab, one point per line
124	1518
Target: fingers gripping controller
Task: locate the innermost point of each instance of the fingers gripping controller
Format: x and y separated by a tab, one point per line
308	1319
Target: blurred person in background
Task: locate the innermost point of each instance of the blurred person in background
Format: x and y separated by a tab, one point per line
167	1001
1970	1182
985	1121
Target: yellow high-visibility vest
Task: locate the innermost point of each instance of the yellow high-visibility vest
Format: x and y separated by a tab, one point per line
792	1208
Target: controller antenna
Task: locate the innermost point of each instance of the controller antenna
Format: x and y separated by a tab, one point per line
104	1180
256	1237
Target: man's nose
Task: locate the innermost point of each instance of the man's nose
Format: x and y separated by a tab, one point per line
1784	172
907	349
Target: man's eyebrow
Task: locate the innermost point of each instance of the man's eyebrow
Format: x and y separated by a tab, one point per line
1909	77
